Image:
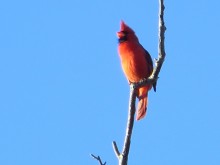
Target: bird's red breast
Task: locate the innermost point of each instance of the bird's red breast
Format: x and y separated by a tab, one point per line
136	63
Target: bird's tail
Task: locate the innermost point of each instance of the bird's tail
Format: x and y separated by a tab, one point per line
142	108
142	104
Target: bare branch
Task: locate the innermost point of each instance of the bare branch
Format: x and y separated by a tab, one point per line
123	157
161	50
115	147
161	45
98	158
130	124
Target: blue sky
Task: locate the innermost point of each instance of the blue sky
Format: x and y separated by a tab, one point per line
63	94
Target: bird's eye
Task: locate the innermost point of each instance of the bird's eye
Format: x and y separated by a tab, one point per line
125	32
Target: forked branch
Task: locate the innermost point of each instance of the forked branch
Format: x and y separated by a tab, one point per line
123	157
98	159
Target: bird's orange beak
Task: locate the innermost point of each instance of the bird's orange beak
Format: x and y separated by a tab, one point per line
120	34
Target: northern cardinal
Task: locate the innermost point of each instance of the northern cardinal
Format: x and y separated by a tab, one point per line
136	63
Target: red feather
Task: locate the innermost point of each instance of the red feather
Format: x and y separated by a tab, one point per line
136	63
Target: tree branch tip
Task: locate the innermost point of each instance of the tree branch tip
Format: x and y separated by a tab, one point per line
115	148
94	156
98	159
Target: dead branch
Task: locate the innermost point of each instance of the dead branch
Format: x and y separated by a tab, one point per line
123	157
98	159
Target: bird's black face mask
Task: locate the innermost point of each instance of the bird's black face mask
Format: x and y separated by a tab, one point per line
124	37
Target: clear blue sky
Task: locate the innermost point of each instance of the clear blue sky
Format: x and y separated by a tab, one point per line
63	94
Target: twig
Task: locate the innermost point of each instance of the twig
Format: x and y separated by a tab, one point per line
98	158
123	157
161	45
115	148
161	50
130	124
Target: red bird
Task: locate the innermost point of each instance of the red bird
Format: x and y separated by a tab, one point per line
136	63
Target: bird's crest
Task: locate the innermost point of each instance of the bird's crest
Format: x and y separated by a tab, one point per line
124	27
